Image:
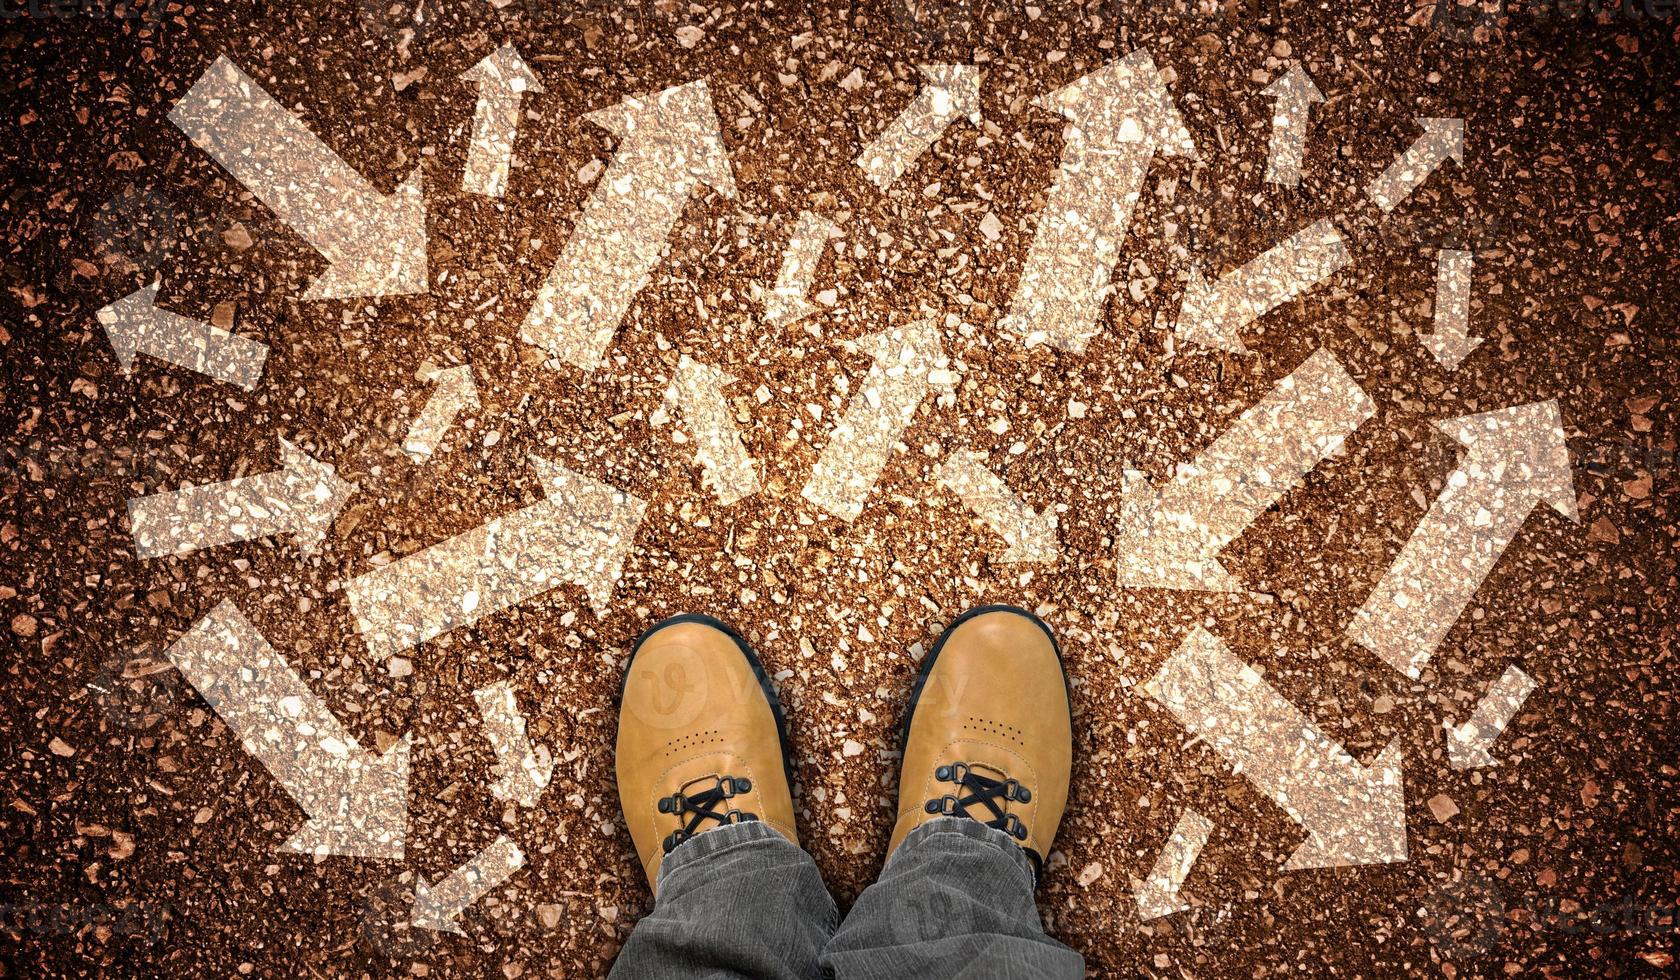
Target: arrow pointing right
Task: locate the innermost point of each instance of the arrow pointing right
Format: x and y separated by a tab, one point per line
1442	138
357	800
503	78
1516	460
1295	94
1214	315
670	144
436	907
375	243
1121	115
1352	814
135	325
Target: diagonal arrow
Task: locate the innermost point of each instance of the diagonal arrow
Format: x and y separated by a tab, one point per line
786	303
1214	315
669	144
436	907
1120	115
523	769
1159	894
1516	459
697	392
1451	342
1171	539
136	326
908	363
1031	537
1442	138
580	534
951	92
1293	94
502	78
302	499
1352	814
454	394
375	244
1468	745
356	799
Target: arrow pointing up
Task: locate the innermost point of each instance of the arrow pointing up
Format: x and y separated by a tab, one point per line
302	499
670	144
786	303
135	325
502	78
1352	814
581	534
1442	138
357	800
523	769
697	392
1451	342
1031	537
436	907
1214	315
1469	745
908	363
455	393
952	91
1120	115
1294	94
375	244
1171	539
1516	459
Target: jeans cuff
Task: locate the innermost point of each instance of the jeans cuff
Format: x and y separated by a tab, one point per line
702	846
975	830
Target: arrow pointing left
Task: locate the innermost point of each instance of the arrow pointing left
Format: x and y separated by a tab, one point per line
302	499
436	907
136	326
503	78
375	244
356	799
1215	314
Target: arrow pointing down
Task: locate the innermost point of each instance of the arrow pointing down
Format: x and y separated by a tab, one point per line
436	907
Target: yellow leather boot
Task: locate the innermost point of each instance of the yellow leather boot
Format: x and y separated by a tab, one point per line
701	743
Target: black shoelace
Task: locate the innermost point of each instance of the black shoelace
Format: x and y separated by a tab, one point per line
979	790
704	804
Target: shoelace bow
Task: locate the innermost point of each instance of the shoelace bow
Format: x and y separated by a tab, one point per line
976	789
701	806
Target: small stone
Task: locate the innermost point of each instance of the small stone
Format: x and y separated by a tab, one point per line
1443	807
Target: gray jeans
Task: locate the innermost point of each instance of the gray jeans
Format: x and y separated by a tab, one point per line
955	899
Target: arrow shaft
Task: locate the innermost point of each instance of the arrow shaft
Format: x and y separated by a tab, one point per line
1501	703
1408	172
523	777
908	136
181	521
1453	268
786	302
487	870
1276	276
984	493
490	154
717	439
1289	137
1159	894
429	427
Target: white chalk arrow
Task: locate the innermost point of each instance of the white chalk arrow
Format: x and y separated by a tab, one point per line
580	534
136	326
669	144
696	393
1031	537
1293	95
1171	539
1215	314
1451	342
1120	115
302	499
1469	745
1515	460
1352	814
437	907
1442	138
454	394
951	92
356	799
1159	894
502	78
908	363
375	244
786	303
522	769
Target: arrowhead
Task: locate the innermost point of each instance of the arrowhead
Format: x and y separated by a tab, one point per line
1446	133
1449	350
320	494
1368	829
678	123
504	69
1039	543
1522	449
1465	748
370	819
1154	550
1198	318
609	513
1125	101
961	86
126	322
429	913
384	256
1294	85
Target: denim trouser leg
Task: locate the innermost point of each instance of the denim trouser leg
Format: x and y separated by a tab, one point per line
955	899
738	901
